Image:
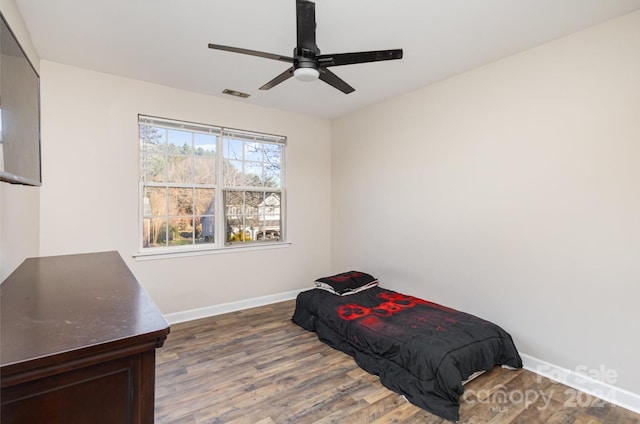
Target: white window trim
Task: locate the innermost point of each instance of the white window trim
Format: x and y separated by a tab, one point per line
176	252
220	245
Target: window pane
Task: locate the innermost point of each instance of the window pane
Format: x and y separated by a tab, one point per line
157	231
204	160
234	215
232	149
205	229
180	231
252	216
204	169
272	153
253	151
155	201
179	169
180	201
253	200
179	142
253	174
250	163
153	167
234	202
273	165
153	139
233	175
272	176
204	201
270	219
205	144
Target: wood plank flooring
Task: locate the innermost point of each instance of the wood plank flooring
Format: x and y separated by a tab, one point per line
256	366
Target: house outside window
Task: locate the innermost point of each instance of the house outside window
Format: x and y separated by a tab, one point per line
207	187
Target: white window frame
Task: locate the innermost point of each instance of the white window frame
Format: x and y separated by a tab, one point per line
220	244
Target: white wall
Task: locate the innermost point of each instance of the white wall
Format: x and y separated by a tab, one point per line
89	202
19	205
511	192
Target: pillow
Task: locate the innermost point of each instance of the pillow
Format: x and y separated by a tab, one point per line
347	283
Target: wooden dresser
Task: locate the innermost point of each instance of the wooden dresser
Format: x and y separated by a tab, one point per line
77	342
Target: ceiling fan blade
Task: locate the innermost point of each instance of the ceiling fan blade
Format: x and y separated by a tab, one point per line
306	25
277	80
335	81
359	57
252	53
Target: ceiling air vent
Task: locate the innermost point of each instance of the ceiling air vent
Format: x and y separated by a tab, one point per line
235	93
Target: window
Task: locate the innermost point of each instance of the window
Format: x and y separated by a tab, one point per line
207	187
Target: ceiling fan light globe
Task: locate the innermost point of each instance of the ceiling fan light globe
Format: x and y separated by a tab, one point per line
306	74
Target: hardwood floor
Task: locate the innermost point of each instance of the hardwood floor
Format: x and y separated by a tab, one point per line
256	366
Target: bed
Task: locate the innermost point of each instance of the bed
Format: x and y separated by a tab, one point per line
419	349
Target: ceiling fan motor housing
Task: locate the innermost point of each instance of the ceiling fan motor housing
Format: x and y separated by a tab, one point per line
305	58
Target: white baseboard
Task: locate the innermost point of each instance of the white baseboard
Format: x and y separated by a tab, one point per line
209	311
598	388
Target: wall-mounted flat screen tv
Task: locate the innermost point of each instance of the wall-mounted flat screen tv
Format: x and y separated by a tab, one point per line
20	113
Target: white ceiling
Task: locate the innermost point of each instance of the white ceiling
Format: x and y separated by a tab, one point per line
165	41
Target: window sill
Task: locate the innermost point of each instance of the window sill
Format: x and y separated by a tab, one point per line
183	253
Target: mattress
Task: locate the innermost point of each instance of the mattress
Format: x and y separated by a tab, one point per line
419	349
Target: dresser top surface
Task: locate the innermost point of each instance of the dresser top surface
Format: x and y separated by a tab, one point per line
59	304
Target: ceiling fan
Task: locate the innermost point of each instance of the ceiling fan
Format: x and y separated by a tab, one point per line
308	63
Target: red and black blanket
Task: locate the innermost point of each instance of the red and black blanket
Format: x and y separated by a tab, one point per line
419	349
